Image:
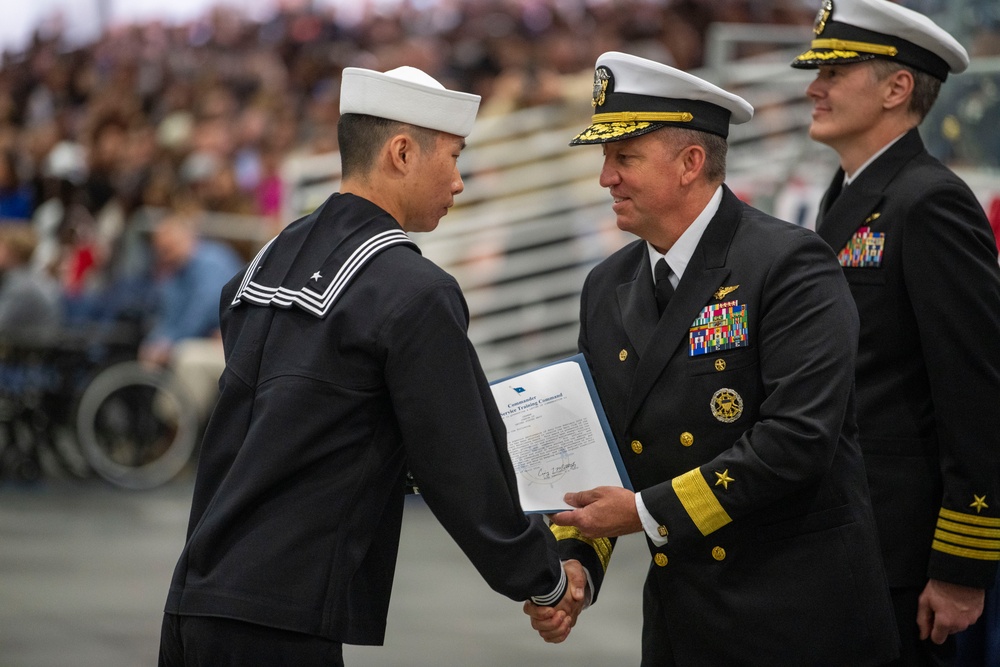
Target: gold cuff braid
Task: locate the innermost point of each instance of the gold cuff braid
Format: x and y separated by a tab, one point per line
601	546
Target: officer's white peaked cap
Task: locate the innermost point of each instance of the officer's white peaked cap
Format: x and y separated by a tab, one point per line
634	96
855	30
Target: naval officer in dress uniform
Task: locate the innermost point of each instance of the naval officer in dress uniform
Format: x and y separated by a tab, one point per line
921	262
347	363
722	344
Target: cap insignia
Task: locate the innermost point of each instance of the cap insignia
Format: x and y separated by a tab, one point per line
727	405
602	78
822	16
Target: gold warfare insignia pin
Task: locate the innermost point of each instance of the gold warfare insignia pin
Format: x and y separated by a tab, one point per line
602	78
873	217
727	405
822	16
723	292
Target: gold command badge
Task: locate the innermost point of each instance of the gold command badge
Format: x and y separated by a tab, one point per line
727	405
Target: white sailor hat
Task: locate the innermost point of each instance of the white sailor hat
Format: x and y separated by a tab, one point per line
849	31
635	96
408	95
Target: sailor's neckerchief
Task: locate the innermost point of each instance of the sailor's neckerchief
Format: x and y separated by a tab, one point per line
312	261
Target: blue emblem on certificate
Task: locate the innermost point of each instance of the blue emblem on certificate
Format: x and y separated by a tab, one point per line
719	326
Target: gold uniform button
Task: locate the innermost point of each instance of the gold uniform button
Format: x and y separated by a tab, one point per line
660	559
687	439
623	355
720	364
637	447
718	553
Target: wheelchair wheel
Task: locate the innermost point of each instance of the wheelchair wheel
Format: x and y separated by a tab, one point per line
136	427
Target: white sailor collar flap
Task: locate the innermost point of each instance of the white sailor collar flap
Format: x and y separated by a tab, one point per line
291	270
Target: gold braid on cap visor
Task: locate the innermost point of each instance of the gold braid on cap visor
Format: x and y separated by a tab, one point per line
606	126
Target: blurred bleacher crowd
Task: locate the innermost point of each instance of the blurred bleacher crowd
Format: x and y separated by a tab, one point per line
139	171
200	117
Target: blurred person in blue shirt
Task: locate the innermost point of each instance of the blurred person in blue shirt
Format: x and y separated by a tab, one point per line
29	299
16	201
189	273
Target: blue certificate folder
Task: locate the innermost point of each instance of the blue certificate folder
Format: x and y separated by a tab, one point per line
552	420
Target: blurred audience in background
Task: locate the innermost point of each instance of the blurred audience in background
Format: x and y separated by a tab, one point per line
29	299
148	116
188	275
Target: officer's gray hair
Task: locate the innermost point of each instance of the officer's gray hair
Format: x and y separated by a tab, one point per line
925	86
715	148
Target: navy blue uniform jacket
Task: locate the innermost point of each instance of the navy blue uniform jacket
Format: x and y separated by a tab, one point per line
745	452
347	360
921	261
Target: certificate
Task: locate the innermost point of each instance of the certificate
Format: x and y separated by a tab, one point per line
557	434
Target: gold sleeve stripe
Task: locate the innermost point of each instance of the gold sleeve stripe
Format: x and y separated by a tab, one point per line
967	541
969	518
601	546
965	553
964	529
633	116
847	45
701	504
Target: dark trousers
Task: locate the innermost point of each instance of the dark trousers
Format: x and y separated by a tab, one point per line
204	641
913	651
980	644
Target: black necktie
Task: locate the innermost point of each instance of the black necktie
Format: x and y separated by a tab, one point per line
664	290
830	196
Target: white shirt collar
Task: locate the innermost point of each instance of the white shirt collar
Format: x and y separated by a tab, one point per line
853	177
679	255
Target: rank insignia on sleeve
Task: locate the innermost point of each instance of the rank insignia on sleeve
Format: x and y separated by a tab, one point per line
979	503
724	479
968	535
864	250
718	327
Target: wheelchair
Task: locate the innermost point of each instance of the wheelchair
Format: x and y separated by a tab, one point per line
82	397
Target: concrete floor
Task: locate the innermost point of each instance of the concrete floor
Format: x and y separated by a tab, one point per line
84	570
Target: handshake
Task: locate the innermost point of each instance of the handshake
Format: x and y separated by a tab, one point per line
602	511
553	624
